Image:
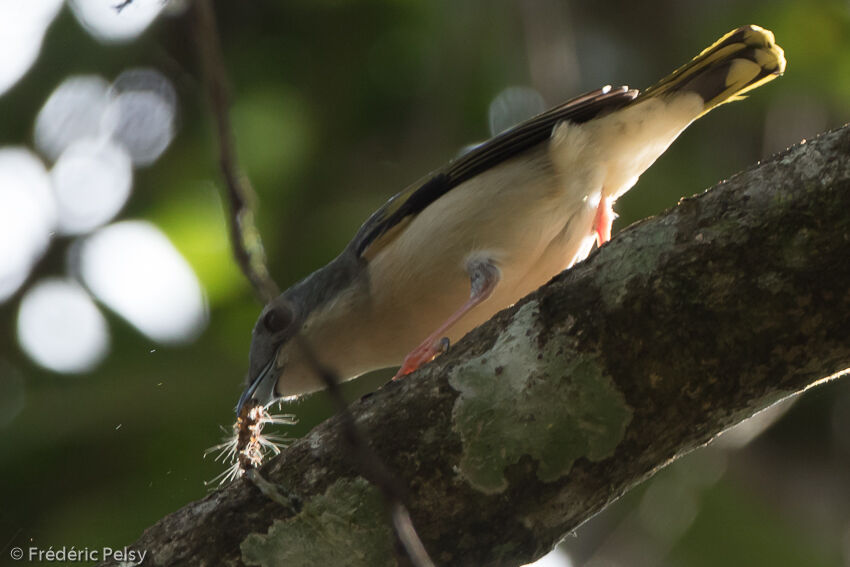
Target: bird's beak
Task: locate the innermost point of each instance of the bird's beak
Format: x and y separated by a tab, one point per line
261	389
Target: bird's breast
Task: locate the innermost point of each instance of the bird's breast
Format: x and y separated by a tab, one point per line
520	215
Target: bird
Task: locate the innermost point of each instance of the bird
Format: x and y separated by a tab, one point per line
475	236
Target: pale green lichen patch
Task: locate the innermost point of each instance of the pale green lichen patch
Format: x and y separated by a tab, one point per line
523	399
344	526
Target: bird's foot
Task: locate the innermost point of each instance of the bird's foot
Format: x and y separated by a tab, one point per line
484	275
424	353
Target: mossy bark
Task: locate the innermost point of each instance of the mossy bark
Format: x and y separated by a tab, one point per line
682	326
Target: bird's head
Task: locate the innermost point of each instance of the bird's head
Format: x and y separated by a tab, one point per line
315	313
272	344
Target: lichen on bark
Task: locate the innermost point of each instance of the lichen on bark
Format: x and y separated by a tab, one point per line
520	398
344	526
745	300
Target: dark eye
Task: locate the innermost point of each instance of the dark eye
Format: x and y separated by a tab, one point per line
277	319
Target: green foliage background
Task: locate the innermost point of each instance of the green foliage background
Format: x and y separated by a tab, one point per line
337	105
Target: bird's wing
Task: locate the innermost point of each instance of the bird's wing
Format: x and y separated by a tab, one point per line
388	221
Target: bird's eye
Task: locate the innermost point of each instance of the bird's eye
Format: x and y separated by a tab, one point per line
277	319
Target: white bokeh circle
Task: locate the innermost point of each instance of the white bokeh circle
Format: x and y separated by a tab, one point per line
108	24
91	181
73	111
27	216
133	268
61	328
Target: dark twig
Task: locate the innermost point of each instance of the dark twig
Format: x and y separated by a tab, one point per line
371	465
244	236
121	5
247	247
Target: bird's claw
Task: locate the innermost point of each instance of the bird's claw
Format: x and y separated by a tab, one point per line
423	354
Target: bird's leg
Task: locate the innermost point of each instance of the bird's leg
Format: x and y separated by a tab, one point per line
483	278
603	220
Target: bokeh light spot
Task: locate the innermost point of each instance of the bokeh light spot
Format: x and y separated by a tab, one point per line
91	181
22	27
27	216
60	327
512	106
141	113
555	558
135	270
145	80
73	111
668	508
108	24
196	223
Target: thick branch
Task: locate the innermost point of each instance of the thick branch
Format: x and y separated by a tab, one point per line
682	326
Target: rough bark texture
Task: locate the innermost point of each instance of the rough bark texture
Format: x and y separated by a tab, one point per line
682	326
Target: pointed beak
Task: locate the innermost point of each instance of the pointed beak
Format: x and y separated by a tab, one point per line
262	388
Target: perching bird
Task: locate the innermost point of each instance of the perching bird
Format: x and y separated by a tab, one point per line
475	236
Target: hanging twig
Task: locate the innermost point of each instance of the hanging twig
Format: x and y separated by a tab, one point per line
371	466
244	236
248	250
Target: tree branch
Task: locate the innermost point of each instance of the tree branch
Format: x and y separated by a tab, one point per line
244	236
248	251
682	326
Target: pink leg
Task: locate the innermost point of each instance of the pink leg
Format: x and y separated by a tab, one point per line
483	278
604	219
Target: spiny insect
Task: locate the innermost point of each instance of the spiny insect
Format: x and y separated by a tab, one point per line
246	446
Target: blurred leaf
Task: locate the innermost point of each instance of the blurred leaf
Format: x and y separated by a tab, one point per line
274	137
735	527
195	223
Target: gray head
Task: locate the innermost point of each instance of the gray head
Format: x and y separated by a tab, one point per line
275	327
278	367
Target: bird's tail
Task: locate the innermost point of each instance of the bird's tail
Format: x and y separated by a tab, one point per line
738	62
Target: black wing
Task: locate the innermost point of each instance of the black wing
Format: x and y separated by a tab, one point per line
417	197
